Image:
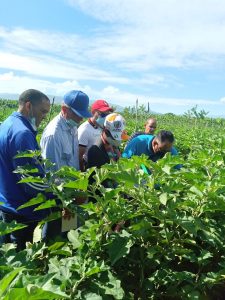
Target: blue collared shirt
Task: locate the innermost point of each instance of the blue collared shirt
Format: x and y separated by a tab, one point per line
59	144
17	135
142	144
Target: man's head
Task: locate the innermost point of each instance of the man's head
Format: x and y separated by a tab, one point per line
100	109
34	105
75	107
114	126
163	142
150	126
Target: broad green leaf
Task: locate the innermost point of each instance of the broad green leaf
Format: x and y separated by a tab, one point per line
119	247
46	204
17	294
163	198
73	237
39	293
92	296
6	228
7	280
36	153
53	216
167	169
31	179
37	200
56	246
196	191
80	184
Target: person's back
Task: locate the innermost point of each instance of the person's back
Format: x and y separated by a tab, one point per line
141	144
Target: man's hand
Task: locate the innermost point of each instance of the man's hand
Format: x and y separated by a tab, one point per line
80	200
67	214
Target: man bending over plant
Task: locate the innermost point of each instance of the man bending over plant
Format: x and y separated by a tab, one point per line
155	147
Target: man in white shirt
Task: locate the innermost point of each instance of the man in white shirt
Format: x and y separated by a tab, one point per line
59	141
90	131
59	144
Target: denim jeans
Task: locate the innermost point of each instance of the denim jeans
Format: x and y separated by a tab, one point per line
21	236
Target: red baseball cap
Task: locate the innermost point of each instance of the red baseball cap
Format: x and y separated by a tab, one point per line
101	105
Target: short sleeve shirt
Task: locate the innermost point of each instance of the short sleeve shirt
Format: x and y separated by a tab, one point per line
88	136
59	143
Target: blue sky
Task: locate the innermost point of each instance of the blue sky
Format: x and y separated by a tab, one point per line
170	53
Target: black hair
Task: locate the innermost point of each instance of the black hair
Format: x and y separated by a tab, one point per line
34	96
165	136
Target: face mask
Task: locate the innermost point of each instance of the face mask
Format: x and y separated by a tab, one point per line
33	123
113	142
72	123
32	120
100	121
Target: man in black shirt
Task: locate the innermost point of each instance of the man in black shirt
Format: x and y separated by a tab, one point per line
107	147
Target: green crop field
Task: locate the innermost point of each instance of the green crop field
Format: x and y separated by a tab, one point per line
171	244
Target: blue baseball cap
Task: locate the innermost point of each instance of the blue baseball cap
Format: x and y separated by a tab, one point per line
78	103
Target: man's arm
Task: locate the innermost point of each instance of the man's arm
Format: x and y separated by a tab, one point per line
83	139
50	148
82	150
26	141
174	152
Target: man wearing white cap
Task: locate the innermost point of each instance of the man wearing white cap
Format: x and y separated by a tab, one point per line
90	131
107	147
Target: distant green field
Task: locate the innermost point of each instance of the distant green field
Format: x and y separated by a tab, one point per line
171	242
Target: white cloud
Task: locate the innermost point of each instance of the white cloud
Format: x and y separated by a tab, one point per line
47	66
124	56
222	100
149	33
17	84
11	83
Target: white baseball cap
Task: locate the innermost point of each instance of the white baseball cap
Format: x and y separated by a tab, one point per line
115	124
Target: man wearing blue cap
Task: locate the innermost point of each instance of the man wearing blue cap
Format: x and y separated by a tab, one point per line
59	141
59	144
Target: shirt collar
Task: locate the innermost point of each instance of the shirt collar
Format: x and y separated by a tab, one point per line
64	125
25	120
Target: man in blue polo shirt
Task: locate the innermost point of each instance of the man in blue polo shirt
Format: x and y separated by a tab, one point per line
155	147
18	134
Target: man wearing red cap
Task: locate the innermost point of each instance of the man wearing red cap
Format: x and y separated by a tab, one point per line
90	131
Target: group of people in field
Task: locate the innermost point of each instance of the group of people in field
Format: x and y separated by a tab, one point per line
66	141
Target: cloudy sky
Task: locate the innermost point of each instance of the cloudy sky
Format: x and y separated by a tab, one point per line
170	53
